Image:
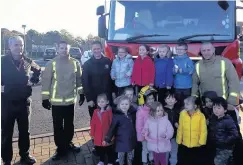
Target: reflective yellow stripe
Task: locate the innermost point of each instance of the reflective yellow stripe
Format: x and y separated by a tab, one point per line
70	99
55	84
234	94
45	93
195	95
57	100
55	79
197	70
223	78
80	88
75	66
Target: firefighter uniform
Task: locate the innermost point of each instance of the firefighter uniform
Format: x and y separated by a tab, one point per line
217	74
15	100
61	82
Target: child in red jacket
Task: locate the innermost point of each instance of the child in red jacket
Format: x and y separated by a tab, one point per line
143	69
100	125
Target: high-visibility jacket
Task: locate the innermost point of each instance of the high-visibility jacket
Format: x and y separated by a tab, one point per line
217	74
61	81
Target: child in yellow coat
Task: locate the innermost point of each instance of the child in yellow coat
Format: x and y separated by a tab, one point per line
191	133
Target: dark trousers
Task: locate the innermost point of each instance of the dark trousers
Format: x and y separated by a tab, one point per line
11	111
183	93
105	151
161	95
191	156
91	111
63	126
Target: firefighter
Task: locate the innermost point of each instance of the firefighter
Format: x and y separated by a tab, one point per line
216	73
16	90
61	82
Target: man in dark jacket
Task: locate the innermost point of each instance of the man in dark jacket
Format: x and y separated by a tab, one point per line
16	90
96	77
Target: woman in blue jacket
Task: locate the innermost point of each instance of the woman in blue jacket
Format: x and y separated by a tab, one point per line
121	70
163	71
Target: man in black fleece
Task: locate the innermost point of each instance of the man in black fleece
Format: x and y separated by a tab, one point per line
96	77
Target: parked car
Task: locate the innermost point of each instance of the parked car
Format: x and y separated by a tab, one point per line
49	53
75	52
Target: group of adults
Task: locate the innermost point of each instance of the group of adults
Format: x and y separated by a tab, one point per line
63	79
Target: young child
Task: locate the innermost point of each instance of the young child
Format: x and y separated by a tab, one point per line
173	111
143	70
223	131
163	71
191	133
148	95
123	129
129	92
183	70
121	70
207	100
100	125
158	131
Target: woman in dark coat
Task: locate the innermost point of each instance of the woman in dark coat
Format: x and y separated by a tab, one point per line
123	130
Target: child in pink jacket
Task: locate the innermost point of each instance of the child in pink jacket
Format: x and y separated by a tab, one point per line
158	131
141	118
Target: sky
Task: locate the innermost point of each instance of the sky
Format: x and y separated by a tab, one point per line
76	16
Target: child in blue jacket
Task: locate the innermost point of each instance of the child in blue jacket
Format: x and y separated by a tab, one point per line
163	71
183	70
121	70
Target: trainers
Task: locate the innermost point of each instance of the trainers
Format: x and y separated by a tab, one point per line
57	156
94	152
101	163
28	160
74	148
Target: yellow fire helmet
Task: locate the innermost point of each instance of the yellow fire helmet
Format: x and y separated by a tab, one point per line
145	91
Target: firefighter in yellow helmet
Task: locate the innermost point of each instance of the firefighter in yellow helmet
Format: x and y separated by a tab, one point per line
61	82
216	73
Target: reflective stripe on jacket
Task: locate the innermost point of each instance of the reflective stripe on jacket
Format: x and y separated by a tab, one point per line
219	75
61	81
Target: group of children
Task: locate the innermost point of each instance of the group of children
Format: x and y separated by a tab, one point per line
161	72
163	134
154	120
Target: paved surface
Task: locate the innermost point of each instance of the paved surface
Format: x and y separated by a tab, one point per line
43	148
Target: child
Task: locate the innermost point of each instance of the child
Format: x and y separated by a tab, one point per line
163	71
143	70
158	131
121	70
100	125
123	129
129	92
183	70
173	111
223	131
148	96
191	133
207	101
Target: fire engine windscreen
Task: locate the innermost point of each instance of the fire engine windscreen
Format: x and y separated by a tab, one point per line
173	18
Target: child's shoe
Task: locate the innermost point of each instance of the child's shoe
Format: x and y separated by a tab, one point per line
101	163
